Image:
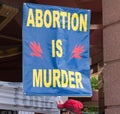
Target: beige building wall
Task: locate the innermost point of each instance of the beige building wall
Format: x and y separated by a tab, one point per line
111	50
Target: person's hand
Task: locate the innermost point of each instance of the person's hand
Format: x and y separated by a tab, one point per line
60	101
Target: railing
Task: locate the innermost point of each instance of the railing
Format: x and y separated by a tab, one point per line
12	98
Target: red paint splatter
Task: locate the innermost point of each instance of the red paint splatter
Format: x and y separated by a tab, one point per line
77	51
36	49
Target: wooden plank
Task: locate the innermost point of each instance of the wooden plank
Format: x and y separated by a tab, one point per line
10	38
96	26
9	12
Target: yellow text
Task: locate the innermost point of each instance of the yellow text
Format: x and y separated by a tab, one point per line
57	78
57	19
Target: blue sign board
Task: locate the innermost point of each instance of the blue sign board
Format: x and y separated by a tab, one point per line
56	50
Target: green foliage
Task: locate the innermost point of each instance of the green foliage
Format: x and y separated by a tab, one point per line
94	83
91	110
